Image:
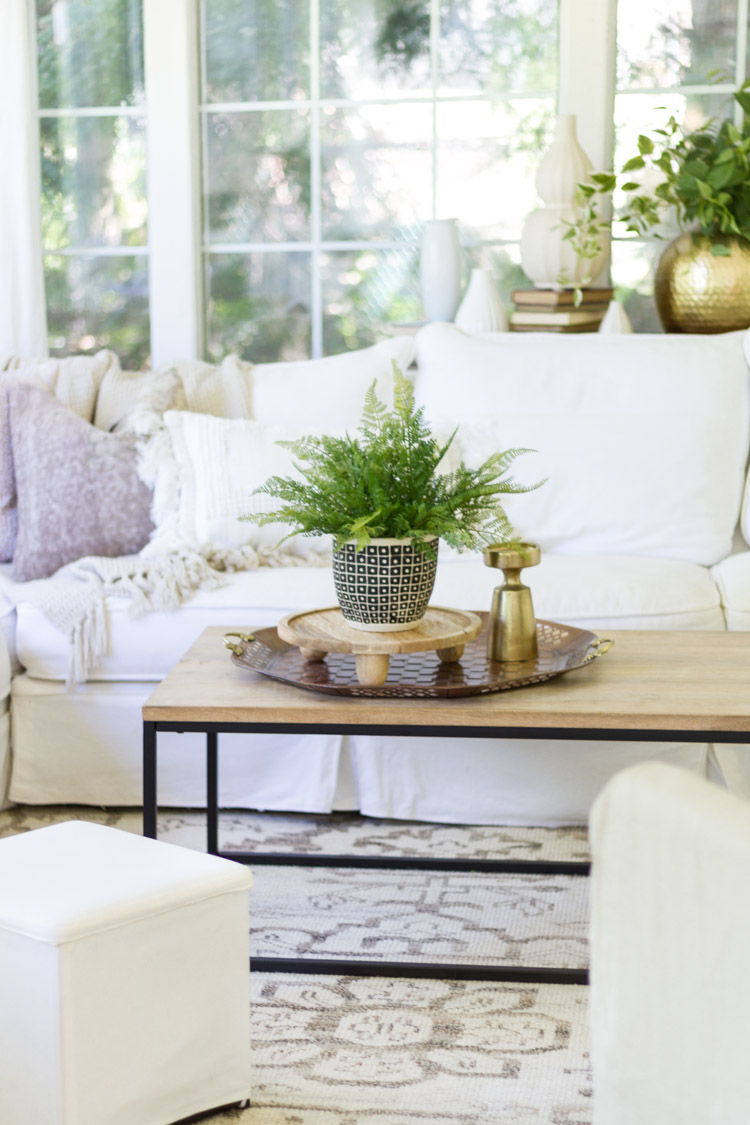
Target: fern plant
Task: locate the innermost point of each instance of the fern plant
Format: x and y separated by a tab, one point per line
386	482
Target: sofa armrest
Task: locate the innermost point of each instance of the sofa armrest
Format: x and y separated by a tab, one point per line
732	578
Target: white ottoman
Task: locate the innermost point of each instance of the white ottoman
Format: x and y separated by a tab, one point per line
123	979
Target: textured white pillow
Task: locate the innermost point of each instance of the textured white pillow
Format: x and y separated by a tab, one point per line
223	390
219	463
317	396
74	380
644	438
78	379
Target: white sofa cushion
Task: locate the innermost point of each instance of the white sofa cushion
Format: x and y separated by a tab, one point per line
644	438
605	592
317	396
732	577
220	462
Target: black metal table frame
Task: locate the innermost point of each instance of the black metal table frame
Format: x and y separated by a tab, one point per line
425	970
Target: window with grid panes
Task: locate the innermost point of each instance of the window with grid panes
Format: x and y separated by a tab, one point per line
332	129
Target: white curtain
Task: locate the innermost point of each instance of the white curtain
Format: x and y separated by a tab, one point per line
23	327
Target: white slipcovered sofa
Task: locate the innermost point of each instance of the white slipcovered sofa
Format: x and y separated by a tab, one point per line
645	442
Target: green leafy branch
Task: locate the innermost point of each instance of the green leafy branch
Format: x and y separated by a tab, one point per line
704	176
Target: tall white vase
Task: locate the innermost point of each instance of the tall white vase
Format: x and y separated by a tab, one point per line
440	269
545	252
481	309
563	166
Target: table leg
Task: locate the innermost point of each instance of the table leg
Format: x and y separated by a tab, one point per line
372	669
149	780
212	793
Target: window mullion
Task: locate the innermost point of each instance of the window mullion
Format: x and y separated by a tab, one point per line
316	293
170	29
588	38
588	53
434	82
740	68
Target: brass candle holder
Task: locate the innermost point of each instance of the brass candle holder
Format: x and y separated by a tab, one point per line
511	633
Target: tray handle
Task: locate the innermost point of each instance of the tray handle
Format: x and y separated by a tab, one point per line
598	648
245	638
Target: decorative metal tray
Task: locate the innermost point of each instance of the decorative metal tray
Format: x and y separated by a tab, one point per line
420	675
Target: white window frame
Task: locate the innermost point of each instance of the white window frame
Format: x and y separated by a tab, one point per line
170	45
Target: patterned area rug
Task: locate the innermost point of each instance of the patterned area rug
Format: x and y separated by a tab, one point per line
338	1050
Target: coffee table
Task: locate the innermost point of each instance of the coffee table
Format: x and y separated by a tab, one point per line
652	687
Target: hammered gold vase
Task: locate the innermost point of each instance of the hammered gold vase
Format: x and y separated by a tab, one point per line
696	291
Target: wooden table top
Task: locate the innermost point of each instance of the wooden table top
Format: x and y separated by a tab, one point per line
649	680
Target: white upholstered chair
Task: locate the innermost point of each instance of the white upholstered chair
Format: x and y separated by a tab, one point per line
670	951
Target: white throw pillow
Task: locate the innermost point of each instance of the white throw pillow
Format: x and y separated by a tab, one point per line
317	396
79	379
220	462
644	438
74	380
223	390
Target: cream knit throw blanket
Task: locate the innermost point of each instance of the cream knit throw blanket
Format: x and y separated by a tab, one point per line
75	599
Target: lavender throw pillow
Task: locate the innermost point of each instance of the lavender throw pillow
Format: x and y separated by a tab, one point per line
77	487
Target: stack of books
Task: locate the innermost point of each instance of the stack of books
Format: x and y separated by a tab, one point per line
555	310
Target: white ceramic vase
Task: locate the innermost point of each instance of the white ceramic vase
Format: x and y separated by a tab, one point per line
616	320
545	253
563	166
481	309
440	269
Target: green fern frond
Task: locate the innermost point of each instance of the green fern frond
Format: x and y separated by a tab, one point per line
385	482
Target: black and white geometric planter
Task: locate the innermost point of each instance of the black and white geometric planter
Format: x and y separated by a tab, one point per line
386	586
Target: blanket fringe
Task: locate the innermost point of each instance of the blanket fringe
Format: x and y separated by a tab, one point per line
89	641
162	582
